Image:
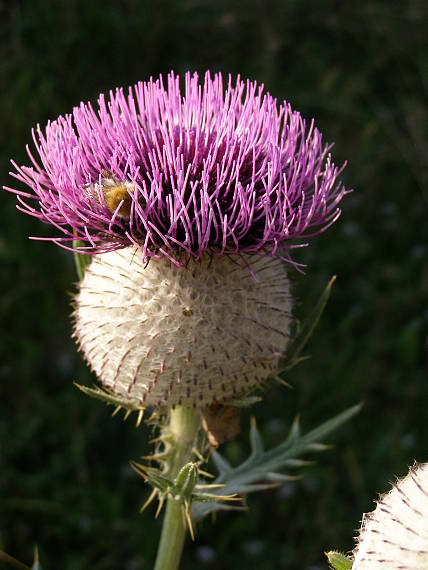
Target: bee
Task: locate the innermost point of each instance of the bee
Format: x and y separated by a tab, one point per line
115	192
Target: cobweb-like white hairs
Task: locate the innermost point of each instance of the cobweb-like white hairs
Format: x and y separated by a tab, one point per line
395	535
194	335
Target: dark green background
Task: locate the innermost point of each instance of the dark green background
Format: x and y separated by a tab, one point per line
361	70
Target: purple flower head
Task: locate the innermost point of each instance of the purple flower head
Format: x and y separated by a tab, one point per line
206	169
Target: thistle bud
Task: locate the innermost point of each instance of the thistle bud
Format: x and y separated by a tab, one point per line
186	481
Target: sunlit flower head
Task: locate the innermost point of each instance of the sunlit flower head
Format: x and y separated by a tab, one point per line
182	169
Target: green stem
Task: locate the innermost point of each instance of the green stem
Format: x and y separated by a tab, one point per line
183	427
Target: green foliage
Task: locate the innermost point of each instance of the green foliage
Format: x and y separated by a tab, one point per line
262	468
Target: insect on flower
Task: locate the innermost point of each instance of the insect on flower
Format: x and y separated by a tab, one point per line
116	195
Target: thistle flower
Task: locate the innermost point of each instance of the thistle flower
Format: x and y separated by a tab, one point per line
193	172
395	534
210	186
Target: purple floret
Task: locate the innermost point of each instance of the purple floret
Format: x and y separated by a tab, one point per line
200	170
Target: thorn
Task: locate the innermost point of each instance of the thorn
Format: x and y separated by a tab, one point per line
206	474
188	519
160	505
116	410
127	414
231	498
153	457
141	470
198	455
149	500
216	497
152	418
139	418
282	382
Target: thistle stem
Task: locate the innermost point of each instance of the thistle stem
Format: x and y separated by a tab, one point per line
183	427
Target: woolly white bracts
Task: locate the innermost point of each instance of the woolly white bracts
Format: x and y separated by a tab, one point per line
195	335
395	535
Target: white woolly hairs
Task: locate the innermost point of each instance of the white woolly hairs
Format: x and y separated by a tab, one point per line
395	535
195	335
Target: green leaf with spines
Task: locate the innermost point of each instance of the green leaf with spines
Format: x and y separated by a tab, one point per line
183	488
110	398
261	464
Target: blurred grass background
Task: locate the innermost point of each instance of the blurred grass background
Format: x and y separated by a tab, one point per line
361	70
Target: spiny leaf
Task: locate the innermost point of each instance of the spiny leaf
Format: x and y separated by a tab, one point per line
184	488
327	427
153	476
112	399
262	466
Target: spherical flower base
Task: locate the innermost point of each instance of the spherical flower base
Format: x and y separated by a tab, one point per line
395	535
195	335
